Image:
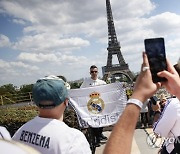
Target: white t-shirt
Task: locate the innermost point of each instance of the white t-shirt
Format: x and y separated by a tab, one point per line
145	107
4	134
51	136
89	82
168	125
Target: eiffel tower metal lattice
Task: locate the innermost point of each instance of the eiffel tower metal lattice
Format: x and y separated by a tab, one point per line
114	49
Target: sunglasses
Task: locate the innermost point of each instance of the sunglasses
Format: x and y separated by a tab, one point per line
94	71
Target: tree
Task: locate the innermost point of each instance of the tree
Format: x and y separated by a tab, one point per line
7	89
75	85
26	88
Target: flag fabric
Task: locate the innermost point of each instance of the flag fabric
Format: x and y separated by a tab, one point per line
98	106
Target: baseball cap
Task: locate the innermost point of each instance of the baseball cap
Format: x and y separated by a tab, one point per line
49	92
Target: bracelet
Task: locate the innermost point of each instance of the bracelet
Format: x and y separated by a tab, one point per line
135	101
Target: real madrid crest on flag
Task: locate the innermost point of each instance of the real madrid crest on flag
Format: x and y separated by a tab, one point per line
95	105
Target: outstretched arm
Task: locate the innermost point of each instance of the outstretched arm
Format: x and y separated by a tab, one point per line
120	140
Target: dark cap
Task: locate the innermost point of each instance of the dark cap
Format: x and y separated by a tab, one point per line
49	92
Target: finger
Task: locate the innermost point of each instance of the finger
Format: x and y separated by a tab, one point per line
145	60
159	85
145	64
165	74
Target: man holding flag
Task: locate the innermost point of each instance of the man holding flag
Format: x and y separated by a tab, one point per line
90	82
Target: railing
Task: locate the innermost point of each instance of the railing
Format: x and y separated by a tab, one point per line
15	98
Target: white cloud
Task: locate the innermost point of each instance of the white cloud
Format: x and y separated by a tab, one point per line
126	9
17	72
14	66
165	23
22	65
173	49
133	32
68	17
174	43
56	59
49	43
33	57
61	36
4	41
19	21
4	64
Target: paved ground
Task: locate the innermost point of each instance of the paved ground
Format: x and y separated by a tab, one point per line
141	142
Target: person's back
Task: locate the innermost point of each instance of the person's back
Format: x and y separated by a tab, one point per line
144	115
51	136
47	132
169	123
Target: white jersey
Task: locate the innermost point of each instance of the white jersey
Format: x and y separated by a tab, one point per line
4	134
51	136
89	82
168	125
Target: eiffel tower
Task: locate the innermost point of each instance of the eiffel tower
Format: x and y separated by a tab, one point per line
114	49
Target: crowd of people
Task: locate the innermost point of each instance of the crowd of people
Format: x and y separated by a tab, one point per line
48	134
152	110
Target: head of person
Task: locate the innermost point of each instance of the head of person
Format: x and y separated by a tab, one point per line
50	92
177	67
65	80
93	72
163	99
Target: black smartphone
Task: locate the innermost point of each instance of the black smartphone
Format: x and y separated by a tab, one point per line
154	100
155	50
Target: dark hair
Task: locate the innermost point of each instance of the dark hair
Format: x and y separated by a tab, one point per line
177	67
62	77
93	66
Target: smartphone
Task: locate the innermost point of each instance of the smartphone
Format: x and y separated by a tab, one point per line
154	100
155	50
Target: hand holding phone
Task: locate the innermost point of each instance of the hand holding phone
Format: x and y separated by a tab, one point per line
155	50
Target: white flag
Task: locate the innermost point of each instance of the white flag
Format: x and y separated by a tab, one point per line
99	106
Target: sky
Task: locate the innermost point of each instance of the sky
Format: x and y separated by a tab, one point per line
66	37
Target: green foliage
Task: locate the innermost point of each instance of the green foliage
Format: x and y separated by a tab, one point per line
75	85
70	118
26	88
129	93
18	114
9	94
13	118
16	98
7	89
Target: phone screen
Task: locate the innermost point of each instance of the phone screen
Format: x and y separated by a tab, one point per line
155	50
